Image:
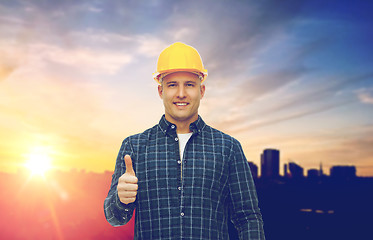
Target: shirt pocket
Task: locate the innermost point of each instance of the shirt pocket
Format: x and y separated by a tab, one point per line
210	172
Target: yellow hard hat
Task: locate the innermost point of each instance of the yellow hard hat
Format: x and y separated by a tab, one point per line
179	57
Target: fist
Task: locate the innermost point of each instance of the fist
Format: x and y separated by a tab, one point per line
127	183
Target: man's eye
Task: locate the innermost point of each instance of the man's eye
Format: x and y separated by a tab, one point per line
190	85
171	85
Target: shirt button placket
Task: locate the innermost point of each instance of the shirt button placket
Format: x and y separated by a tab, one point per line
179	162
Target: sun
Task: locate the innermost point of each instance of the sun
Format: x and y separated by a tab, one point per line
38	163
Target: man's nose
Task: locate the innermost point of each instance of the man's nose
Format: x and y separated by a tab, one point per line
181	92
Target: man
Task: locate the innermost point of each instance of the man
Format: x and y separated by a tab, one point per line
183	177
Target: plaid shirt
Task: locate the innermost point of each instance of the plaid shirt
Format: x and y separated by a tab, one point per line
216	183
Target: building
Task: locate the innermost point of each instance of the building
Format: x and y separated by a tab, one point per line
343	172
254	169
321	172
313	173
270	163
286	173
296	171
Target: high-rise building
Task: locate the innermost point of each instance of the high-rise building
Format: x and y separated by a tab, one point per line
321	172
254	169
286	174
270	163
296	171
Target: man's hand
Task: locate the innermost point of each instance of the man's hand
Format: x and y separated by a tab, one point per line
127	183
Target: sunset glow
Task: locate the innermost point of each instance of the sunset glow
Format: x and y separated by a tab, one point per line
76	79
295	77
38	163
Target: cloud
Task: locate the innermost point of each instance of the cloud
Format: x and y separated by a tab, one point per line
6	68
365	95
101	53
39	55
230	104
323	145
86	59
266	62
94	9
355	149
238	28
266	83
321	92
288	116
244	36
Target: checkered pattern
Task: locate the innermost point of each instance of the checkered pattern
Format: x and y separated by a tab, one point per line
216	183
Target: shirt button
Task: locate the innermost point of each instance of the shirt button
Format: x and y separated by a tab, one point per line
179	162
182	214
179	188
126	210
176	139
172	126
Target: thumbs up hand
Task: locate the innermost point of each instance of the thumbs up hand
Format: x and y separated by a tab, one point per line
127	183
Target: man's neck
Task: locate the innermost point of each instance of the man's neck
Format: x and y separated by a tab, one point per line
182	126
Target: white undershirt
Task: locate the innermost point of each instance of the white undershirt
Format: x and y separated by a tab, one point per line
183	139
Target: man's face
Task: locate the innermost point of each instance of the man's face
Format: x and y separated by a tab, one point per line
181	93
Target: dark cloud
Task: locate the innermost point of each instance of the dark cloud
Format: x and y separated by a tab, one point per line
312	100
266	83
321	94
227	33
290	116
231	33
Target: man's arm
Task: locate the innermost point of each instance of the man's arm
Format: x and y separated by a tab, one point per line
116	212
246	215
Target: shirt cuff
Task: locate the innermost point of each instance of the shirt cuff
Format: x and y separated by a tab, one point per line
127	208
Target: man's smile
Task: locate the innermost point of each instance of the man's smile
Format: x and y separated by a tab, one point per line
181	104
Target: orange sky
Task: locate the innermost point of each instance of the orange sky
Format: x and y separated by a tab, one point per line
77	81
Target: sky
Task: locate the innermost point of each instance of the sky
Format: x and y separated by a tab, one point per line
76	77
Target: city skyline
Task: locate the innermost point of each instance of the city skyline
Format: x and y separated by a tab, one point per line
76	77
270	167
69	205
254	168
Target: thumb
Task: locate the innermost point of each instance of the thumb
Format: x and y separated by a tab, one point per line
129	168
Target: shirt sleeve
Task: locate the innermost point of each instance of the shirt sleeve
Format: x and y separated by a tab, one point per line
116	212
245	212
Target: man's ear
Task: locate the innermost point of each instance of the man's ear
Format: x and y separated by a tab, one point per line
160	91
203	89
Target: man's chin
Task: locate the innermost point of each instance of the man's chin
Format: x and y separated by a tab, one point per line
182	117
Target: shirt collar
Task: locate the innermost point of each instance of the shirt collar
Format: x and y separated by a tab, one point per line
196	127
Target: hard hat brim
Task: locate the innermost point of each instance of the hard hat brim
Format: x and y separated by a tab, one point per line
159	75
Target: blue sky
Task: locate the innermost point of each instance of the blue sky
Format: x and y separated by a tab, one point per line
76	76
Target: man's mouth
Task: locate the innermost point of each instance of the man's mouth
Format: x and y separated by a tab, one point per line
181	104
